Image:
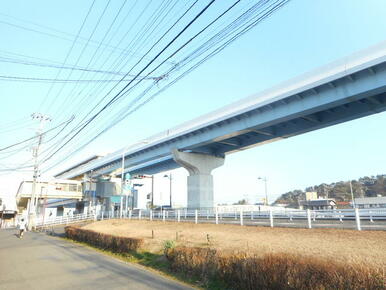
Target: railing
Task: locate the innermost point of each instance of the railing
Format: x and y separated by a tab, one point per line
342	218
63	220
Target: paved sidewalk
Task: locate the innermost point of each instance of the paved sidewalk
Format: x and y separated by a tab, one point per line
39	261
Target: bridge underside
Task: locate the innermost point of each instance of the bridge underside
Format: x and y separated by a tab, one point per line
337	113
330	96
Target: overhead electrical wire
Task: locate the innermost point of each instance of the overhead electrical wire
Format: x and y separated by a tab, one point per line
37	136
112	100
70	50
273	8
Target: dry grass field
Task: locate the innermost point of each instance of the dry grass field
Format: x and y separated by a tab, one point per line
346	246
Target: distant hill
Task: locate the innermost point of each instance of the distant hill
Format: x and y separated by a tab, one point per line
363	187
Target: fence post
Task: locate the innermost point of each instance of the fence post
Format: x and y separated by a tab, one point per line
271	217
185	213
163	216
314	219
178	216
241	218
167	214
251	215
196	216
207	214
371	217
139	214
340	217
358	219
235	214
216	215
309	218
151	215
130	213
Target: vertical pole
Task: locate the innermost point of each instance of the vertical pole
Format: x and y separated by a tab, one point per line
126	204
185	213
252	215
139	214
271	217
352	196
151	215
241	218
371	216
130	213
178	216
207	214
163	216
152	191
358	219
340	217
122	183
170	184
216	213
309	218
195	216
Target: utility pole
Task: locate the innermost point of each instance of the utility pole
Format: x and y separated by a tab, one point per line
152	191
122	184
35	153
352	196
265	186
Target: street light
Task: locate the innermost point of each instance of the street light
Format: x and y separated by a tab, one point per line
266	192
170	186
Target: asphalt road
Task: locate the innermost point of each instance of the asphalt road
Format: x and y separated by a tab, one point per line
39	261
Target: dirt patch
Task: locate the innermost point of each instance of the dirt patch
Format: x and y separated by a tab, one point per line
342	245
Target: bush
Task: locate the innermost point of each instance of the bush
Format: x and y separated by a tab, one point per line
273	271
115	244
168	245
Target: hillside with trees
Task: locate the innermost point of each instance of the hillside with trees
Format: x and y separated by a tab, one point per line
340	191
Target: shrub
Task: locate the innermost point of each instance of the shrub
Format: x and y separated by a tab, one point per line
273	271
168	245
116	244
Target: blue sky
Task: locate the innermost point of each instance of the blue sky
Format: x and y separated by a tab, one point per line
299	37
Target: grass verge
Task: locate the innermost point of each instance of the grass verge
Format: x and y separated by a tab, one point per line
213	269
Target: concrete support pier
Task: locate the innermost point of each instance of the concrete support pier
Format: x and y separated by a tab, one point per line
200	179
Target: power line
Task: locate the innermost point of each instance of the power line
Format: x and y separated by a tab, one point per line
265	13
36	79
71	48
118	94
34	137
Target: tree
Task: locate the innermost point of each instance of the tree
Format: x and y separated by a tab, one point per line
243	201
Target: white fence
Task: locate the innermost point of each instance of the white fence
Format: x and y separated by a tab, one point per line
63	220
344	218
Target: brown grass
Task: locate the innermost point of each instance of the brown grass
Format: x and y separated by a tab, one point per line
117	244
273	271
346	246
